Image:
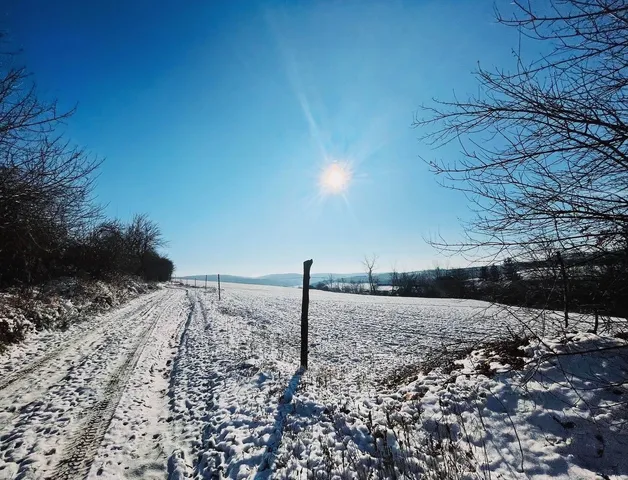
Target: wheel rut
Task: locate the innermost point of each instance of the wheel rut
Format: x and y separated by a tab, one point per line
10	379
79	454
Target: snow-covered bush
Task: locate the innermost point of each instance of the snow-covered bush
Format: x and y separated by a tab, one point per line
61	302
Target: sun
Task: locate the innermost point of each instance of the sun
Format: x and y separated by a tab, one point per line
335	178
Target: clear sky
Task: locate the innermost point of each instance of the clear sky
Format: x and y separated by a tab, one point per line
217	118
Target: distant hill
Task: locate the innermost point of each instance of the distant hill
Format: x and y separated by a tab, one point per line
239	279
277	279
296	279
288	279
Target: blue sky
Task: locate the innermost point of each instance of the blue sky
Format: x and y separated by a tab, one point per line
217	118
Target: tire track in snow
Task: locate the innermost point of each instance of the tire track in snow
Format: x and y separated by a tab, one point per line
140	436
45	375
58	351
79	456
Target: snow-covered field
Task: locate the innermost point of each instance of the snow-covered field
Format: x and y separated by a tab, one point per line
177	384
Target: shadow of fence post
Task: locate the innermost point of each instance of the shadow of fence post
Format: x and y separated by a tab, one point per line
265	469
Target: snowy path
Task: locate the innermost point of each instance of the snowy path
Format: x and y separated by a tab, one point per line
56	409
224	397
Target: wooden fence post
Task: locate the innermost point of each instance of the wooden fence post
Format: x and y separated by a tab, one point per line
219	286
304	311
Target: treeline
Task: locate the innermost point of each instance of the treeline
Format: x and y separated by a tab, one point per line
342	285
50	225
573	282
577	283
112	248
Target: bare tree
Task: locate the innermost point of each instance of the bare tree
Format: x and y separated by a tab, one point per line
544	154
370	264
143	238
45	183
545	147
330	281
394	278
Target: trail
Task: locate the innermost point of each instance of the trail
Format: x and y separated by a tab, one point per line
56	412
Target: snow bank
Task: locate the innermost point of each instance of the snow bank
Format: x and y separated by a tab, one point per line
60	303
562	413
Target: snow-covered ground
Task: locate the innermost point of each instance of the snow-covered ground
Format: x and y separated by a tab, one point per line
177	384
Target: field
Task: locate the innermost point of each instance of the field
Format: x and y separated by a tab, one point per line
360	338
178	384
